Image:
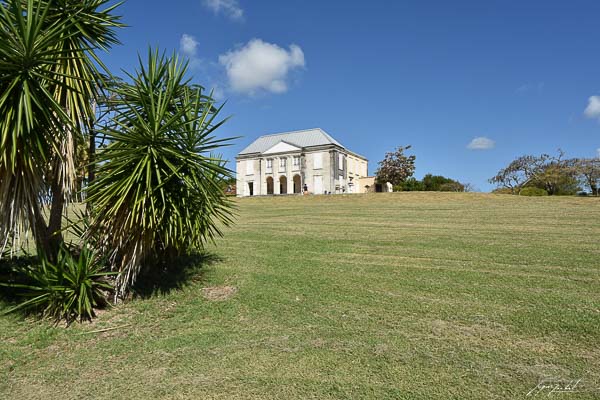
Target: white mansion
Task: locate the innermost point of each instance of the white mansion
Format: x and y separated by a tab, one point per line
293	162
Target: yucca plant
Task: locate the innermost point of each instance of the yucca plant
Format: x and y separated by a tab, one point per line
48	68
68	289
157	190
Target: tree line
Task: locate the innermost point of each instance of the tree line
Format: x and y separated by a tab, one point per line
398	168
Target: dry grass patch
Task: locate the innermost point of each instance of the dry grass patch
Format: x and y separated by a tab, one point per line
219	293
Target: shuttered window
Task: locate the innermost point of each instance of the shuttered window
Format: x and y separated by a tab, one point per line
318	160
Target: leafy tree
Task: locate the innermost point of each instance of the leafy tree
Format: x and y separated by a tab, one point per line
396	167
48	67
409	185
557	177
437	183
158	191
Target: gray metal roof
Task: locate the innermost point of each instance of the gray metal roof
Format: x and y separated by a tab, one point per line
304	138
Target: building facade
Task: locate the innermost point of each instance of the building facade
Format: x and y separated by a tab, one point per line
290	162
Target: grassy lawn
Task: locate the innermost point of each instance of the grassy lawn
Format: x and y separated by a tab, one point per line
406	295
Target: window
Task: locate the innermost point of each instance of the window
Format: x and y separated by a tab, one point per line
318	160
249	167
340	161
282	163
296	161
269	163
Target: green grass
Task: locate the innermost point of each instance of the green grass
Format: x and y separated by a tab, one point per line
410	295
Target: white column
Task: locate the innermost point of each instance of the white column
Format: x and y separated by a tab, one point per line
289	174
276	175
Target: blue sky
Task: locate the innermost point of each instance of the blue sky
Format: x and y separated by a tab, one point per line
379	74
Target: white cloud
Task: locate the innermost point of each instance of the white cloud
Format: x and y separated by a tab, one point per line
593	108
230	8
188	45
598	152
481	143
261	66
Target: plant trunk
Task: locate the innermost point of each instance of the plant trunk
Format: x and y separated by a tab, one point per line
91	163
40	232
92	157
54	233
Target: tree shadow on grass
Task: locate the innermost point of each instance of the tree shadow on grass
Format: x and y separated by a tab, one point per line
13	271
174	275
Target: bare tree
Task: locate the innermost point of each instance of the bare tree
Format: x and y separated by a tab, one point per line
588	171
550	172
469	187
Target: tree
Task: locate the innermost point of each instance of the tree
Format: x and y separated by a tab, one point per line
48	67
437	183
517	173
552	173
588	170
469	187
158	190
557	177
396	167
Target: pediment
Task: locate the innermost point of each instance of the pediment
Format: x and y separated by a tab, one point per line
282	147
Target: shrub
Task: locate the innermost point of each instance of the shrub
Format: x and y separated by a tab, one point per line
409	185
452	187
503	190
533	191
68	289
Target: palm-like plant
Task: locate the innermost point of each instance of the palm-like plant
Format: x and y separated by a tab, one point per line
69	288
157	191
47	72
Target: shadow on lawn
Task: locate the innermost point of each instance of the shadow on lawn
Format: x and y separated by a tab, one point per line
12	271
175	275
159	280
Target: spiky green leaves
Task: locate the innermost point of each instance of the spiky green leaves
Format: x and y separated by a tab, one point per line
47	75
68	289
157	190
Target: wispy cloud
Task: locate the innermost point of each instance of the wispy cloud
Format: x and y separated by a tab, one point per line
261	66
593	108
229	8
481	143
530	87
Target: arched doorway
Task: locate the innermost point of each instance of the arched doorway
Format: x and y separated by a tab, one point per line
270	185
297	184
282	185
